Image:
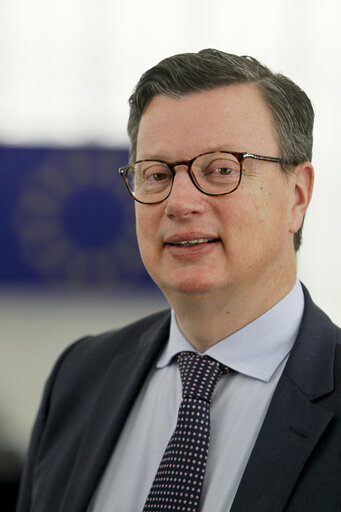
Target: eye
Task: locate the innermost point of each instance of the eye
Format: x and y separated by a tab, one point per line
152	171
222	171
222	168
157	176
152	176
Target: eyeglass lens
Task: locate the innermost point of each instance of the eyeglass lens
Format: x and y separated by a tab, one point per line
214	173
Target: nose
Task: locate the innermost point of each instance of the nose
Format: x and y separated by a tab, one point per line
185	200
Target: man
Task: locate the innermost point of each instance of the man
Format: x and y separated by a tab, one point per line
221	175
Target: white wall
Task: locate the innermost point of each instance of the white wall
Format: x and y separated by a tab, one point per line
35	328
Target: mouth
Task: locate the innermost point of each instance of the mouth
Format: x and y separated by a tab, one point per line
191	243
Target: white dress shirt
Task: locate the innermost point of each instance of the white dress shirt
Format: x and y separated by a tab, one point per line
257	353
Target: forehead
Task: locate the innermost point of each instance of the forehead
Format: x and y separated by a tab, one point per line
232	117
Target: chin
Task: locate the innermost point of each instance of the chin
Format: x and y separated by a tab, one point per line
189	286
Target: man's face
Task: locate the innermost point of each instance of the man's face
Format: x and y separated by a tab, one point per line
251	227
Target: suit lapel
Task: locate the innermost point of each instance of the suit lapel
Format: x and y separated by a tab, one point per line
126	373
294	423
290	432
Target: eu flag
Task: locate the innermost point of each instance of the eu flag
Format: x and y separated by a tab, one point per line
67	219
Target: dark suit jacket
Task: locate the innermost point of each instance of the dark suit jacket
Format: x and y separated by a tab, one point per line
296	462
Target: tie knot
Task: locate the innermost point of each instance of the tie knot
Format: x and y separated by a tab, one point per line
199	375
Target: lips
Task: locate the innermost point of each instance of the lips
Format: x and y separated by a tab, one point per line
190	239
189	243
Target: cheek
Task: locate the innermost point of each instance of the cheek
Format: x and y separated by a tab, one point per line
146	229
255	220
141	227
142	217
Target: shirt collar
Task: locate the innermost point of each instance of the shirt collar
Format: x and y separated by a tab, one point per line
258	348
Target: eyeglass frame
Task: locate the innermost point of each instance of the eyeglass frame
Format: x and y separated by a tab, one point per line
240	156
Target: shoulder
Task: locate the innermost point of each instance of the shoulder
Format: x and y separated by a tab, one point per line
81	369
315	357
94	349
316	322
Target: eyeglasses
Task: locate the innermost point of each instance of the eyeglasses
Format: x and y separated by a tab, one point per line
215	173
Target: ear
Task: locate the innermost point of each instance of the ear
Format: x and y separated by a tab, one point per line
302	183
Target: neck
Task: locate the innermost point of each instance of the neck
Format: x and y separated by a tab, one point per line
208	317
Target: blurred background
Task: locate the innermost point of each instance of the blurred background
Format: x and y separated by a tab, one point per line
69	263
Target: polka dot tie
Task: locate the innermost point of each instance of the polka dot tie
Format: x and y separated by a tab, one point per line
178	481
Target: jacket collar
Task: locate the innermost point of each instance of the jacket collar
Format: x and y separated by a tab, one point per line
311	363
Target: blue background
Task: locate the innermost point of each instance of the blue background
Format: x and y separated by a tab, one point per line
67	219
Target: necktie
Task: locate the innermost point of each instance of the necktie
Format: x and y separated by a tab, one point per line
178	481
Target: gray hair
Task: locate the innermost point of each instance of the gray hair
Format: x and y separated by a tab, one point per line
187	73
